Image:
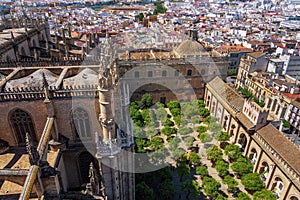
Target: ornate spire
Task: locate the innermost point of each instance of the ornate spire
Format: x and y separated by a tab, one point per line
45	86
94	179
33	154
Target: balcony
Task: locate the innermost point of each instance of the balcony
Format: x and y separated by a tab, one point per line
111	148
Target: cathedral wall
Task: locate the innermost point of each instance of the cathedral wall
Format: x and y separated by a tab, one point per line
63	109
63	174
37	111
71	178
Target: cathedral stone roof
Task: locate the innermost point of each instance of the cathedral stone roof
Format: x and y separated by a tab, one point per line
190	48
281	145
33	80
225	92
86	77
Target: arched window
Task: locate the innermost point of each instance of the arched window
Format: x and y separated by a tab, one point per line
294	198
81	123
277	186
164	73
242	141
213	107
189	72
264	171
22	123
208	101
253	156
232	130
225	123
176	73
136	74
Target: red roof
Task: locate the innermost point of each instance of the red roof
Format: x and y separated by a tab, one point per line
291	96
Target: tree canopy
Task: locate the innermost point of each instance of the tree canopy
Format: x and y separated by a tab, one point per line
201	103
222	136
159	9
183	170
143	191
202	171
242	166
204	112
140	16
189	141
221	197
194	158
156	143
231	182
264	195
166	190
233	151
242	196
146	101
252	182
184	130
210	186
205	137
230	72
214	153
222	167
202	129
190	187
168	130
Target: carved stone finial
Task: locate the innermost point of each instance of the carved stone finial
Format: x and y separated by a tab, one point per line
45	82
33	154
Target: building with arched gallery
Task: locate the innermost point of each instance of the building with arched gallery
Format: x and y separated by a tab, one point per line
273	156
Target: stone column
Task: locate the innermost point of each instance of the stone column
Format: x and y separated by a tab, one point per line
272	169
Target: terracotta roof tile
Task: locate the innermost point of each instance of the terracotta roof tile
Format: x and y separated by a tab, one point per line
285	148
291	96
245	121
234	100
